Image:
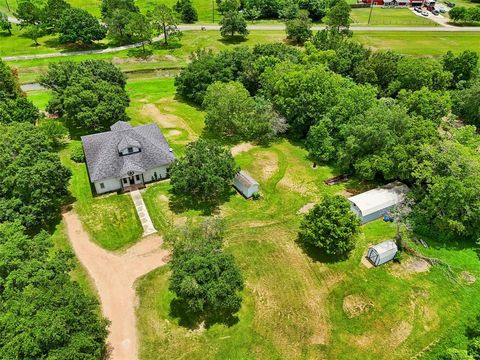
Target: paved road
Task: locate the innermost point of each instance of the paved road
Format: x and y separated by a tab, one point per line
114	276
250	27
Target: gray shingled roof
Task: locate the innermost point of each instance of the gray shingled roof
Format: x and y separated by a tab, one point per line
102	151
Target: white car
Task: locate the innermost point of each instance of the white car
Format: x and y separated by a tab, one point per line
425	13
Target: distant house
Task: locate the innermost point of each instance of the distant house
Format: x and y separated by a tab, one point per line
126	157
381	253
245	184
375	203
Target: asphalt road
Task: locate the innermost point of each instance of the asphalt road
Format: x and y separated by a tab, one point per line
250	27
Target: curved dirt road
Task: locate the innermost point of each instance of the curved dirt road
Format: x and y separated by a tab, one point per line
114	276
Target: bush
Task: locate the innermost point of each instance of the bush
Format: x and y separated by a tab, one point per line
77	153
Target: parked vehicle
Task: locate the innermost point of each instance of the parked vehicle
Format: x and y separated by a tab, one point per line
442	10
417	9
424	13
435	12
450	4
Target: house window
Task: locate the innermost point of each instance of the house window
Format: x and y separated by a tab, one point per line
102	186
130	150
138	177
124	180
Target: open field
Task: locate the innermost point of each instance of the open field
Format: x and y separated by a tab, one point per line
420	43
294	301
388	17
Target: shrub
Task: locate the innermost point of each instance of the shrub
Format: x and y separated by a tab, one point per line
77	154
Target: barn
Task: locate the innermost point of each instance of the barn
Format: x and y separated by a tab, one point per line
381	253
375	203
245	184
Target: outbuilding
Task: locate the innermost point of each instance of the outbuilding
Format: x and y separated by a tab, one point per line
375	203
381	253
245	184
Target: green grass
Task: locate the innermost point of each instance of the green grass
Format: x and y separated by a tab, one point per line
39	98
111	220
292	306
172	58
388	17
420	43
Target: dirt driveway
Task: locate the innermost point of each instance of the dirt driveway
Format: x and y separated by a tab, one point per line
114	276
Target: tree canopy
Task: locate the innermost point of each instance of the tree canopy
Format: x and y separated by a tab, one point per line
330	226
79	26
205	173
233	23
299	27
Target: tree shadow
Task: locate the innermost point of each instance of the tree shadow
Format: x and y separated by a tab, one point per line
172	45
181	203
233	40
316	255
139	53
192	320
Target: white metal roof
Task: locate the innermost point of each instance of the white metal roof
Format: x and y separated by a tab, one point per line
380	198
385	247
245	179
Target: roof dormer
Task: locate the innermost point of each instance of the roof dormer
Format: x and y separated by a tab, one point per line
128	146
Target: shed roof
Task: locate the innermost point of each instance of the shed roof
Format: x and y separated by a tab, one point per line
245	179
380	198
385	247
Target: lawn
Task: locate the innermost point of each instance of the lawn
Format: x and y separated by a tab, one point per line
293	301
388	17
161	58
111	220
420	43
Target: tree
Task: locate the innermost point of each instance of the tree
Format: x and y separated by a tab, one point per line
52	13
117	23
330	226
31	173
465	104
164	21
252	14
379	69
34	32
205	279
233	22
28	13
205	173
338	16
431	105
187	12
458	13
463	66
139	29
5	23
18	110
233	113
225	6
109	6
39	297
299	28
79	26
412	77
9	87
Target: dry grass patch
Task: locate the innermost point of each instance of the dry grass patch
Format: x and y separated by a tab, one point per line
410	267
355	305
267	164
241	148
164	120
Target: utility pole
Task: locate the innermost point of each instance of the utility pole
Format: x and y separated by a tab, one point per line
371	9
213	11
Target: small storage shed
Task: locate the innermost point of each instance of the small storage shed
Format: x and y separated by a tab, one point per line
245	184
375	203
381	253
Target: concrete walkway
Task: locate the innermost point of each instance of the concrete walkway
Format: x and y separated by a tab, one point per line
114	276
143	214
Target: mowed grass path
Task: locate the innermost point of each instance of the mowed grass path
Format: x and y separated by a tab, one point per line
388	17
293	301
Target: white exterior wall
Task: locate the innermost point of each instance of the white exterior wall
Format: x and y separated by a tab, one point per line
161	174
251	190
125	151
110	185
247	191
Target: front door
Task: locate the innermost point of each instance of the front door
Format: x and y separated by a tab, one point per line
132	180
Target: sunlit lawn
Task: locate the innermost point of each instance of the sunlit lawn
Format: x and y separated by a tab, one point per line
388	17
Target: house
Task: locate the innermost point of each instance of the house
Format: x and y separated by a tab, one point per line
126	157
375	203
381	253
245	184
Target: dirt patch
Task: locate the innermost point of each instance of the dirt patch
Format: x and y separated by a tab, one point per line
268	164
410	267
356	305
164	120
292	185
174	133
136	60
240	148
163	198
180	221
306	208
468	277
400	333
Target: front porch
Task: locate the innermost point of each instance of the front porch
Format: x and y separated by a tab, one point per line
130	188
